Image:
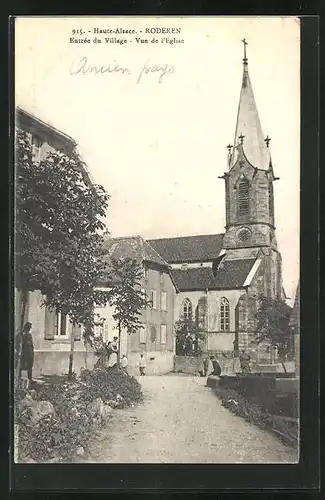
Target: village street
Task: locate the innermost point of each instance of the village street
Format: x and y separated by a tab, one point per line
181	421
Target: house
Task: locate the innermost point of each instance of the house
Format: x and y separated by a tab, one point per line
51	331
156	340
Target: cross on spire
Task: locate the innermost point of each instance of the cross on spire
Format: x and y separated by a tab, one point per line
229	148
245	43
241	138
267	141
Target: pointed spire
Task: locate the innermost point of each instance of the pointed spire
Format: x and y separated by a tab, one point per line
249	134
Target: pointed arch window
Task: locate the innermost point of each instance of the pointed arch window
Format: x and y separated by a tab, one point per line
187	309
243	197
201	313
224	315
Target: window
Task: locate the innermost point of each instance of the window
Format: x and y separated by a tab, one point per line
187	309
163	334
201	313
98	330
224	315
61	325
153	299
243	197
153	333
163	301
105	333
143	335
161	277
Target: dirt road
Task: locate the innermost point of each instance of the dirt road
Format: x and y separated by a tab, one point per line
181	421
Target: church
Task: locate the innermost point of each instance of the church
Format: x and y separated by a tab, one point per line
218	277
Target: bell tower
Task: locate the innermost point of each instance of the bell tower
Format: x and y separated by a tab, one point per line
249	178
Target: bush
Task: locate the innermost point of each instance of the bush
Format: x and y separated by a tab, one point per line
69	426
286	430
108	383
236	403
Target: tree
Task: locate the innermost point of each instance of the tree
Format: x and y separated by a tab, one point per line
58	247
273	316
126	295
188	336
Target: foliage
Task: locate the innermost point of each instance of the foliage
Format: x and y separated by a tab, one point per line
286	429
107	383
273	316
188	337
236	403
56	437
58	219
126	295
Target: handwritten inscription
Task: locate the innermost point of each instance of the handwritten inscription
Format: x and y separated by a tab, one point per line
85	67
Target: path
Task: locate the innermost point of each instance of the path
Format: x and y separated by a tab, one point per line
181	421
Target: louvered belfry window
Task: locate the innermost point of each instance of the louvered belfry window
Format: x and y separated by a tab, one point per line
243	197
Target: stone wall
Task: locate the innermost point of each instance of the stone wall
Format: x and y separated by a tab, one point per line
57	362
191	366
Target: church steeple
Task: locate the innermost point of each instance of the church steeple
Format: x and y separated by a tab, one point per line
249	180
249	137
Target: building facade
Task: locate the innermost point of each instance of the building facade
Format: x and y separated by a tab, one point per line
51	330
156	339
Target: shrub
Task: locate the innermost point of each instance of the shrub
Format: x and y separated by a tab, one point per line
56	436
107	383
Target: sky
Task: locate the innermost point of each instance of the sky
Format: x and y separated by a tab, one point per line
159	148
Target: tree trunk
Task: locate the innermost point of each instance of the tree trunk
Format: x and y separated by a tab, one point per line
119	341
86	355
70	372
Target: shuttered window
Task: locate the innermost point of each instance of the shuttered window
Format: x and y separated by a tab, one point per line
153	299
163	301
143	335
163	334
243	197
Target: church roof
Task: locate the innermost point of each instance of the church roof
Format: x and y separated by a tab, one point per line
249	126
188	248
198	278
133	247
232	274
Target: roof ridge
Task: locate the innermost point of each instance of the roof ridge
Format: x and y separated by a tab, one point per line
188	236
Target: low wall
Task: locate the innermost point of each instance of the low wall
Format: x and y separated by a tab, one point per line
191	365
158	362
57	362
279	396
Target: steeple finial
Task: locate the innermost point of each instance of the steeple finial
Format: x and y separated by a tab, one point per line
245	43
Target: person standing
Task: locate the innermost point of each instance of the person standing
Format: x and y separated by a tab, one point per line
142	365
124	363
25	352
